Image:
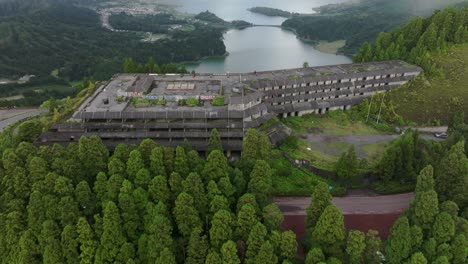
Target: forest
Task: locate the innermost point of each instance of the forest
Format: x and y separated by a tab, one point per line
361	21
159	23
268	11
71	40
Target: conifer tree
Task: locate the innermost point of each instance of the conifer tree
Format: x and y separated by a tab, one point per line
213	258
250	146
459	249
216	166
444	228
425	205
134	164
219	202
288	245
229	253
142	179
329	232
169	159
320	199
69	244
112	237
272	216
266	254
175	182
214	142
193	186
157	161
28	248
85	198
116	166
254	242
129	210
159	190
93	155
185	214
398	245
86	241
246	219
181	165
314	256
146	148
197	248
221	228
166	257
355	246
418	258
260	183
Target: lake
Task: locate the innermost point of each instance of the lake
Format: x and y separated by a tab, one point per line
258	48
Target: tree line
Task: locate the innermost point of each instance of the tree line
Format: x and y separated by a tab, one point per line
141	204
419	39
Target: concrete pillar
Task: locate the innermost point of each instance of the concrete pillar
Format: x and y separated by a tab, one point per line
285	115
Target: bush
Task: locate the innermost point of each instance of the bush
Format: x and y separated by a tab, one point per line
161	102
392	187
218	101
192	102
290	142
338	191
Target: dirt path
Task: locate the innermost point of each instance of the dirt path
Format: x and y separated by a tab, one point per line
350	205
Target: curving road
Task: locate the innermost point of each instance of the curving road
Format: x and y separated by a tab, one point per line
350	205
12	116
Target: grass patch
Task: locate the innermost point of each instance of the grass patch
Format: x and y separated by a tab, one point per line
330	47
374	151
335	123
291	181
316	157
428	102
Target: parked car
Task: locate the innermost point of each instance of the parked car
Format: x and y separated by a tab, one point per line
440	135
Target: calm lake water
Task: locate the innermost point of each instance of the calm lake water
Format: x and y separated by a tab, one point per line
259	48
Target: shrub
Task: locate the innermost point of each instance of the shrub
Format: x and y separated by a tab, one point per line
338	191
392	187
290	142
192	101
218	101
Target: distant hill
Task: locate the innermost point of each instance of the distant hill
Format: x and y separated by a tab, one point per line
439	44
17	7
360	21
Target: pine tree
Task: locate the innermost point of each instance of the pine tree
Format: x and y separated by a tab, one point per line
320	199
451	177
86	241
169	159
85	198
250	146
255	241
158	189
229	253
142	179
214	142
246	219
272	216
221	228
157	162
193	186
355	246
247	198
314	256
459	249
197	248
418	258
329	232
266	254
288	245
175	182
185	214
347	167
398	245
216	166
260	183
181	166
69	244
444	228
112	236
129	210
93	156
425	205
134	164
167	257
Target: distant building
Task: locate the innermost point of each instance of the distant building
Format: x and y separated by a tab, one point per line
132	107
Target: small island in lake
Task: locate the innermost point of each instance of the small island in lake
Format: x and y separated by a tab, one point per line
268	11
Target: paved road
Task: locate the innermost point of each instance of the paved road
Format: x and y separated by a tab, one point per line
11	120
350	205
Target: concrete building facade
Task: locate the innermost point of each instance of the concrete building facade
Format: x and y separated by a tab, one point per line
171	108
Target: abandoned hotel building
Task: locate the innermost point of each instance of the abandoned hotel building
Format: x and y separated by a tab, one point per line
173	107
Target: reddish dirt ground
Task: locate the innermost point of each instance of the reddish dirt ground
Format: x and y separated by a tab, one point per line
360	212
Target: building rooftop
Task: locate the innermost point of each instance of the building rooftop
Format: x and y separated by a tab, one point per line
235	87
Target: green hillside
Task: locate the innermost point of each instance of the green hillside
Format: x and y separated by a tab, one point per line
71	40
439	44
428	101
360	21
